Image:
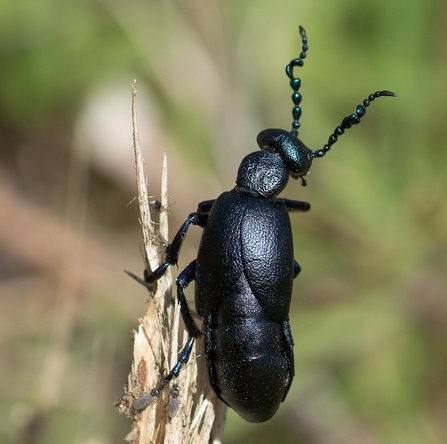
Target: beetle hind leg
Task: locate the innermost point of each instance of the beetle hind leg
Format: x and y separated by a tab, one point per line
289	354
183	280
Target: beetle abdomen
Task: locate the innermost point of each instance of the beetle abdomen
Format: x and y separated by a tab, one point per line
248	366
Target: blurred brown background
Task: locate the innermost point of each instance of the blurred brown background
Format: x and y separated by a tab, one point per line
369	313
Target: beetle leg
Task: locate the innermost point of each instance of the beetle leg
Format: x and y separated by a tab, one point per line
183	359
287	332
295	205
205	206
174	248
183	280
296	269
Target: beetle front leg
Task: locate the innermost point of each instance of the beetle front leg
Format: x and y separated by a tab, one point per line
173	249
295	205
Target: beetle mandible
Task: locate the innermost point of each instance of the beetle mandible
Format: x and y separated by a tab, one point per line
245	268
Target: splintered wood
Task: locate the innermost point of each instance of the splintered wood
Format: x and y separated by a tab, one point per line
200	415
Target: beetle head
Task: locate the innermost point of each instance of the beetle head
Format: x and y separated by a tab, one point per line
296	156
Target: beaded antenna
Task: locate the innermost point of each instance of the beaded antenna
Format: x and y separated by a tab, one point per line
347	122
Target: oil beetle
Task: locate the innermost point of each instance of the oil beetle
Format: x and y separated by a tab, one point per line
245	268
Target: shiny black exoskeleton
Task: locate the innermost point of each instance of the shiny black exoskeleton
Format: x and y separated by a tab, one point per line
245	268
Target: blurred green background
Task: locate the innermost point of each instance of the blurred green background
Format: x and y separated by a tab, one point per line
369	313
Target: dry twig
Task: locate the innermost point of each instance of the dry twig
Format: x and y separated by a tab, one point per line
201	416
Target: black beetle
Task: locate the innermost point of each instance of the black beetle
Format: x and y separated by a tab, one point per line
245	268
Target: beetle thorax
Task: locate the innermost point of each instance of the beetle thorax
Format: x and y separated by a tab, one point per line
264	173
